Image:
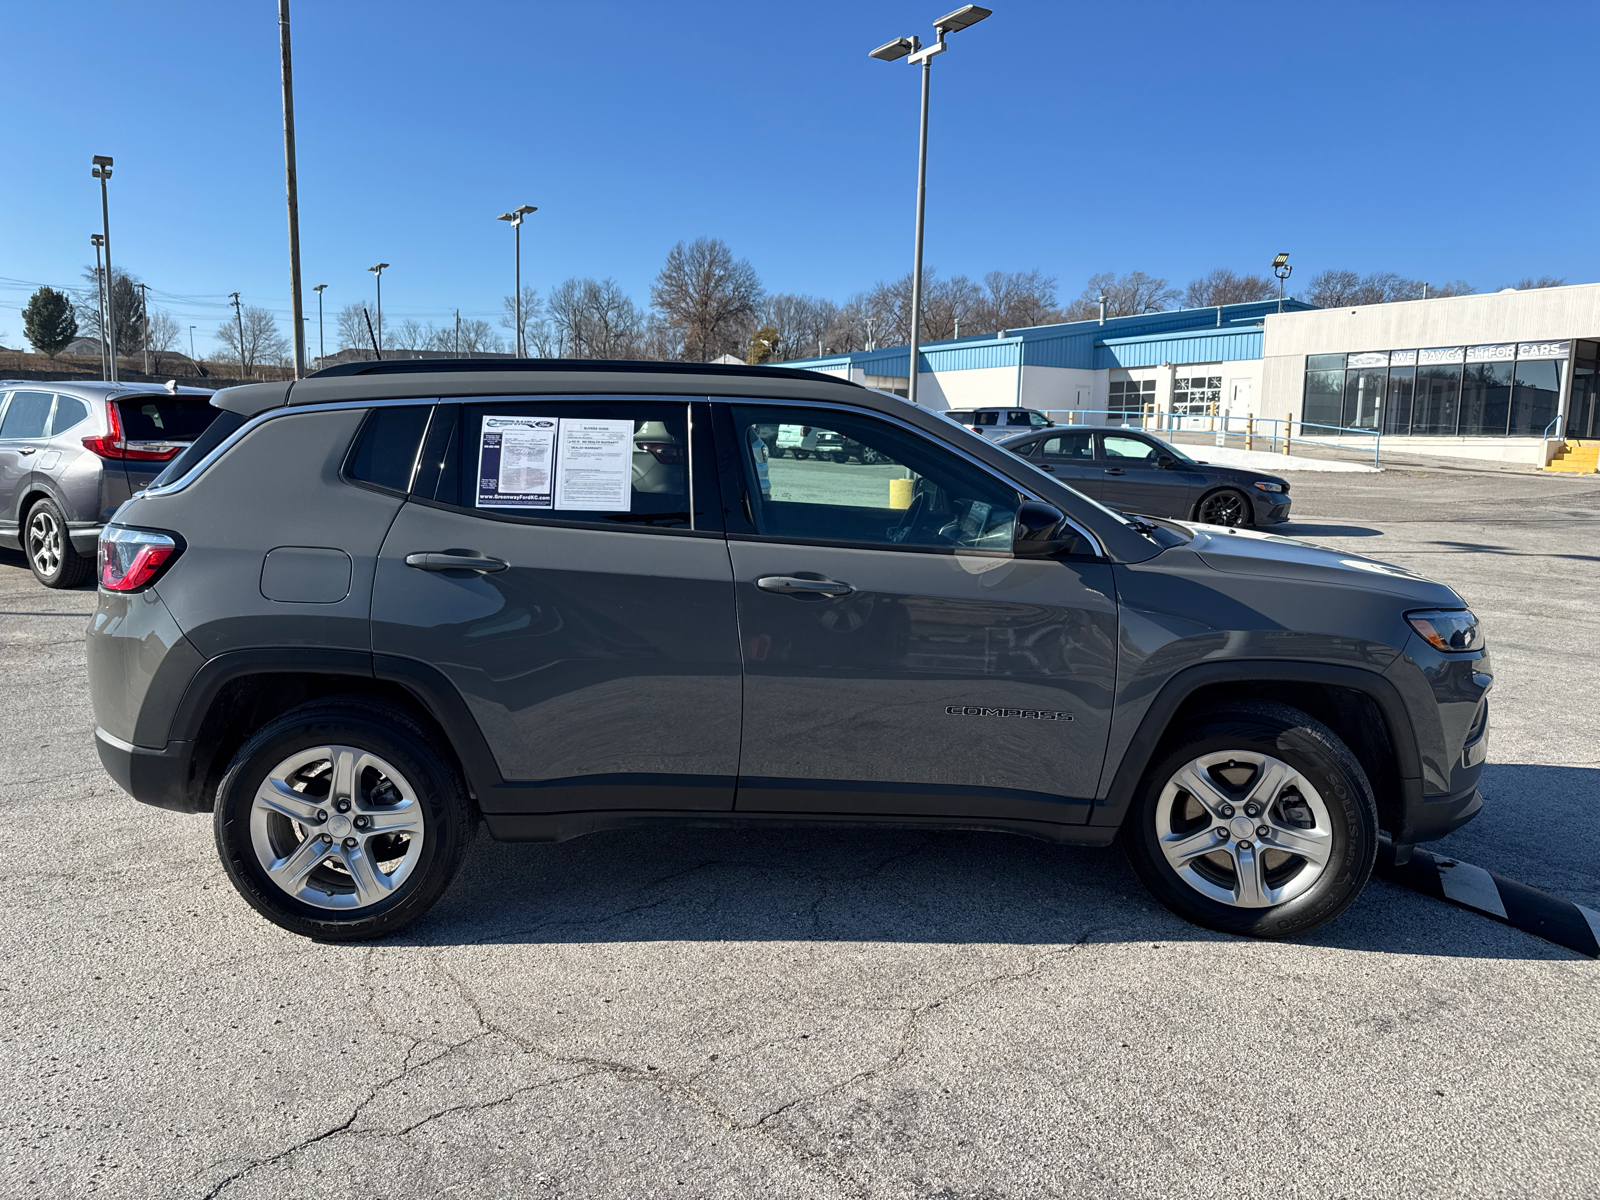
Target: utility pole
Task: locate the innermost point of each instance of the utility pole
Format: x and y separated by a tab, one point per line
294	193
191	345
102	172
238	316
458	333
144	311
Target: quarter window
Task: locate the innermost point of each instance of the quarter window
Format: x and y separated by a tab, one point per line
386	450
853	479
70	411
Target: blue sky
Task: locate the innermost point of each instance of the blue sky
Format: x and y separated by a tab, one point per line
1437	140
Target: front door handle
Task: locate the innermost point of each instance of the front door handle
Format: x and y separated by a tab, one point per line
793	585
29	450
1115	471
454	560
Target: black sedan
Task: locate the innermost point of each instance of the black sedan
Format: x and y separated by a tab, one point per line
1135	472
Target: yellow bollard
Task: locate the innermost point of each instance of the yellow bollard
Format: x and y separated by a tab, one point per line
900	492
1288	434
1249	431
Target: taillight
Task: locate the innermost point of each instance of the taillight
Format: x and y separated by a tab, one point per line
131	559
112	444
670	453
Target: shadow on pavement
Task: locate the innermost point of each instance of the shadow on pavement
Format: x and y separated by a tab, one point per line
697	885
1307	529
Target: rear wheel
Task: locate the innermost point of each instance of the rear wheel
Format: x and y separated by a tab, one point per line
1257	821
339	821
48	545
1225	507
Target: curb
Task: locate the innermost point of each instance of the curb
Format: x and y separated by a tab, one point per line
1516	904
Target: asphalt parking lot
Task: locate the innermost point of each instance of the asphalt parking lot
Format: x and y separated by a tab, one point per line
821	1014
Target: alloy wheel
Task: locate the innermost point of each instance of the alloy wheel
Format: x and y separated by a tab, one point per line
336	827
1244	829
1223	508
44	542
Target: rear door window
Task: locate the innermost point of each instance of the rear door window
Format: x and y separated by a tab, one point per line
1017	418
27	415
165	418
1069	447
621	464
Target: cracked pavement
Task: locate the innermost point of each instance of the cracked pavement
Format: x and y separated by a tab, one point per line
819	1014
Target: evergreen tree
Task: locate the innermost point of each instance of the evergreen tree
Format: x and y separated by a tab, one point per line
49	321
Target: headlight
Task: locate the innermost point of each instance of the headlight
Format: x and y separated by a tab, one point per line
1272	487
1449	631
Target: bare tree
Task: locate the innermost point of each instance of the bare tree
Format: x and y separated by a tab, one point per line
533	335
798	324
162	334
1128	295
1222	286
592	318
1346	289
661	341
262	341
1528	283
468	336
1015	300
353	333
127	310
1456	287
709	295
410	334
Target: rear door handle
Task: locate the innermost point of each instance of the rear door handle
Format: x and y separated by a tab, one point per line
29	450
450	560
1115	471
791	585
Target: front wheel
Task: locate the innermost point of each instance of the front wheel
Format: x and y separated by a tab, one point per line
1226	507
1256	820
339	821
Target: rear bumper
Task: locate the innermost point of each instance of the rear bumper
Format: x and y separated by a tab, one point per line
158	777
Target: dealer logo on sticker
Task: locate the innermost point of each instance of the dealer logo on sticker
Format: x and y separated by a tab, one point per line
1027	714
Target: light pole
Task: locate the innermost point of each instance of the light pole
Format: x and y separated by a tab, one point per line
144	311
1282	269
322	349
98	240
377	272
911	49
292	184
238	316
102	172
191	345
515	217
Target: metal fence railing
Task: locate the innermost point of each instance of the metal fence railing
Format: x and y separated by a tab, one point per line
1277	434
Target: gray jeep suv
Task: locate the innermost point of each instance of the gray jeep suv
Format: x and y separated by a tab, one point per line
70	453
366	611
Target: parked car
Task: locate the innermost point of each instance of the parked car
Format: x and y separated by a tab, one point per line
355	618
1136	472
70	453
996	423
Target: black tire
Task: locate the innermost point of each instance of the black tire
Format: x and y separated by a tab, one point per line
448	817
48	547
802	455
1225	506
1322	760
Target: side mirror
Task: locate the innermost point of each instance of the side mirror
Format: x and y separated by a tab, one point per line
1041	531
1166	462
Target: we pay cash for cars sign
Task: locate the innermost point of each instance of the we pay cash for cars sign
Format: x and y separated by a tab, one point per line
570	463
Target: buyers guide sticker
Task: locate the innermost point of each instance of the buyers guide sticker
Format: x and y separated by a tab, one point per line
555	463
516	457
594	465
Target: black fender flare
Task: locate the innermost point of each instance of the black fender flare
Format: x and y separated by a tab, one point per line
1158	716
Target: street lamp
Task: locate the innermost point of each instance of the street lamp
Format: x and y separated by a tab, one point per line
144	311
97	240
377	271
911	49
515	217
102	172
233	298
1282	269
322	349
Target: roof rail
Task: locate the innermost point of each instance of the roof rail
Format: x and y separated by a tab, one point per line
413	366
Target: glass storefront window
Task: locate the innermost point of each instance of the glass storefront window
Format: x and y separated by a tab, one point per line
1485	398
1437	402
1324	398
1363	396
1325	362
1537	396
1397	404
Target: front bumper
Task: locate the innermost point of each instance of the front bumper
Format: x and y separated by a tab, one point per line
158	777
1272	508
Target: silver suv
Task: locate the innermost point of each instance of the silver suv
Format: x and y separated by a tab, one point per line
368	610
71	453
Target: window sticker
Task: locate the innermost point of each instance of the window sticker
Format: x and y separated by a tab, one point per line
594	465
515	460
